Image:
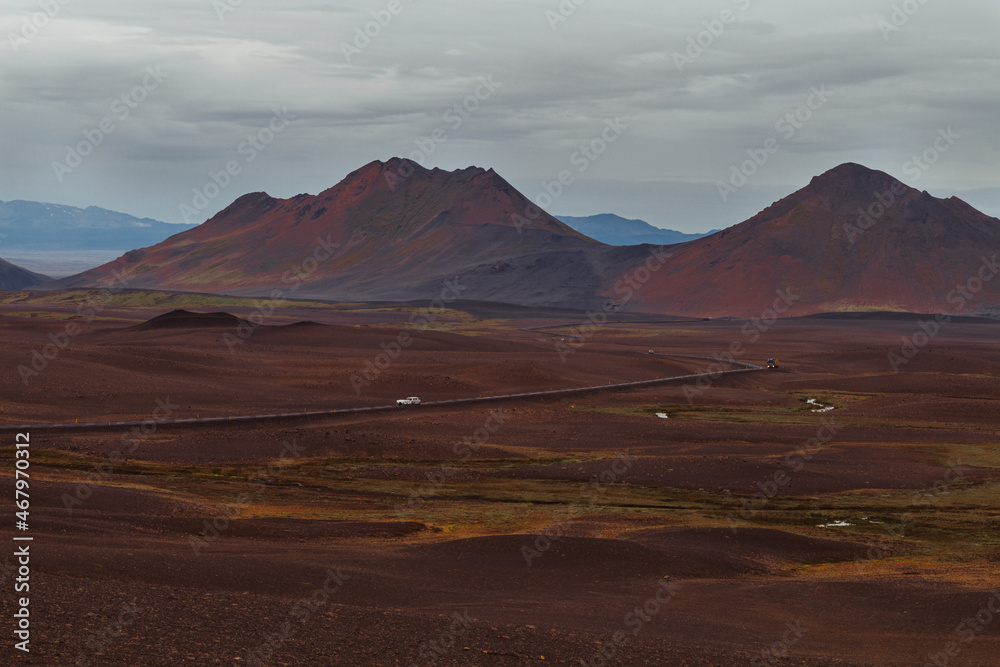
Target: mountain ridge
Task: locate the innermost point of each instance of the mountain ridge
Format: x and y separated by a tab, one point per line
40	226
382	239
616	230
851	239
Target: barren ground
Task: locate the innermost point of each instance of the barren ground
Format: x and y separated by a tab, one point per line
566	516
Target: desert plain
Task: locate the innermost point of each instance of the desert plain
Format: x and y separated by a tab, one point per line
833	511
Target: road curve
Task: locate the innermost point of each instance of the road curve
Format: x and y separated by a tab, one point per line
743	368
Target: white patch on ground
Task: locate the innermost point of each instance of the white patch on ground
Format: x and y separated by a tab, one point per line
819	406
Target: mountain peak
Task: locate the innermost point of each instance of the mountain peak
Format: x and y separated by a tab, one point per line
851	175
387	225
848	168
377	169
396	171
853	239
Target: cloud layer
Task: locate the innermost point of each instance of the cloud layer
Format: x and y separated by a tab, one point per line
701	88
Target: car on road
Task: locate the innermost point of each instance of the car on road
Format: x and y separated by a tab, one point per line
772	363
651	352
411	400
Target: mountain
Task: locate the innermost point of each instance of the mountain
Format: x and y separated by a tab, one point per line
14	277
616	230
854	239
389	231
35	226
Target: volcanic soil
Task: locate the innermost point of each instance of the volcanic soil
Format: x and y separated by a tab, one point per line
722	523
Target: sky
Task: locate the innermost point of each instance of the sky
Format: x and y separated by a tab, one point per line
689	115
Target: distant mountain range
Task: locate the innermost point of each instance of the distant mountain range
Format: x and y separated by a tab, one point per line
853	239
63	240
35	226
616	230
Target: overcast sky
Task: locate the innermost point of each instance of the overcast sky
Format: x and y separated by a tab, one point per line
693	86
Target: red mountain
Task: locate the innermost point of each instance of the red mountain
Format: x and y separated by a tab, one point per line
853	239
388	231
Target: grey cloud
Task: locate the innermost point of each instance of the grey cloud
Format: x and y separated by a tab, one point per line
606	60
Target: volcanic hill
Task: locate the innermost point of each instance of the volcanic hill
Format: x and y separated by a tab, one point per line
185	319
389	231
14	277
854	239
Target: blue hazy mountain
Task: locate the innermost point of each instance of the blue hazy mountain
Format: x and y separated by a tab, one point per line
616	230
36	226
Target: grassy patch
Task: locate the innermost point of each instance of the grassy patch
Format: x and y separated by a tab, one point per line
144	299
838	399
